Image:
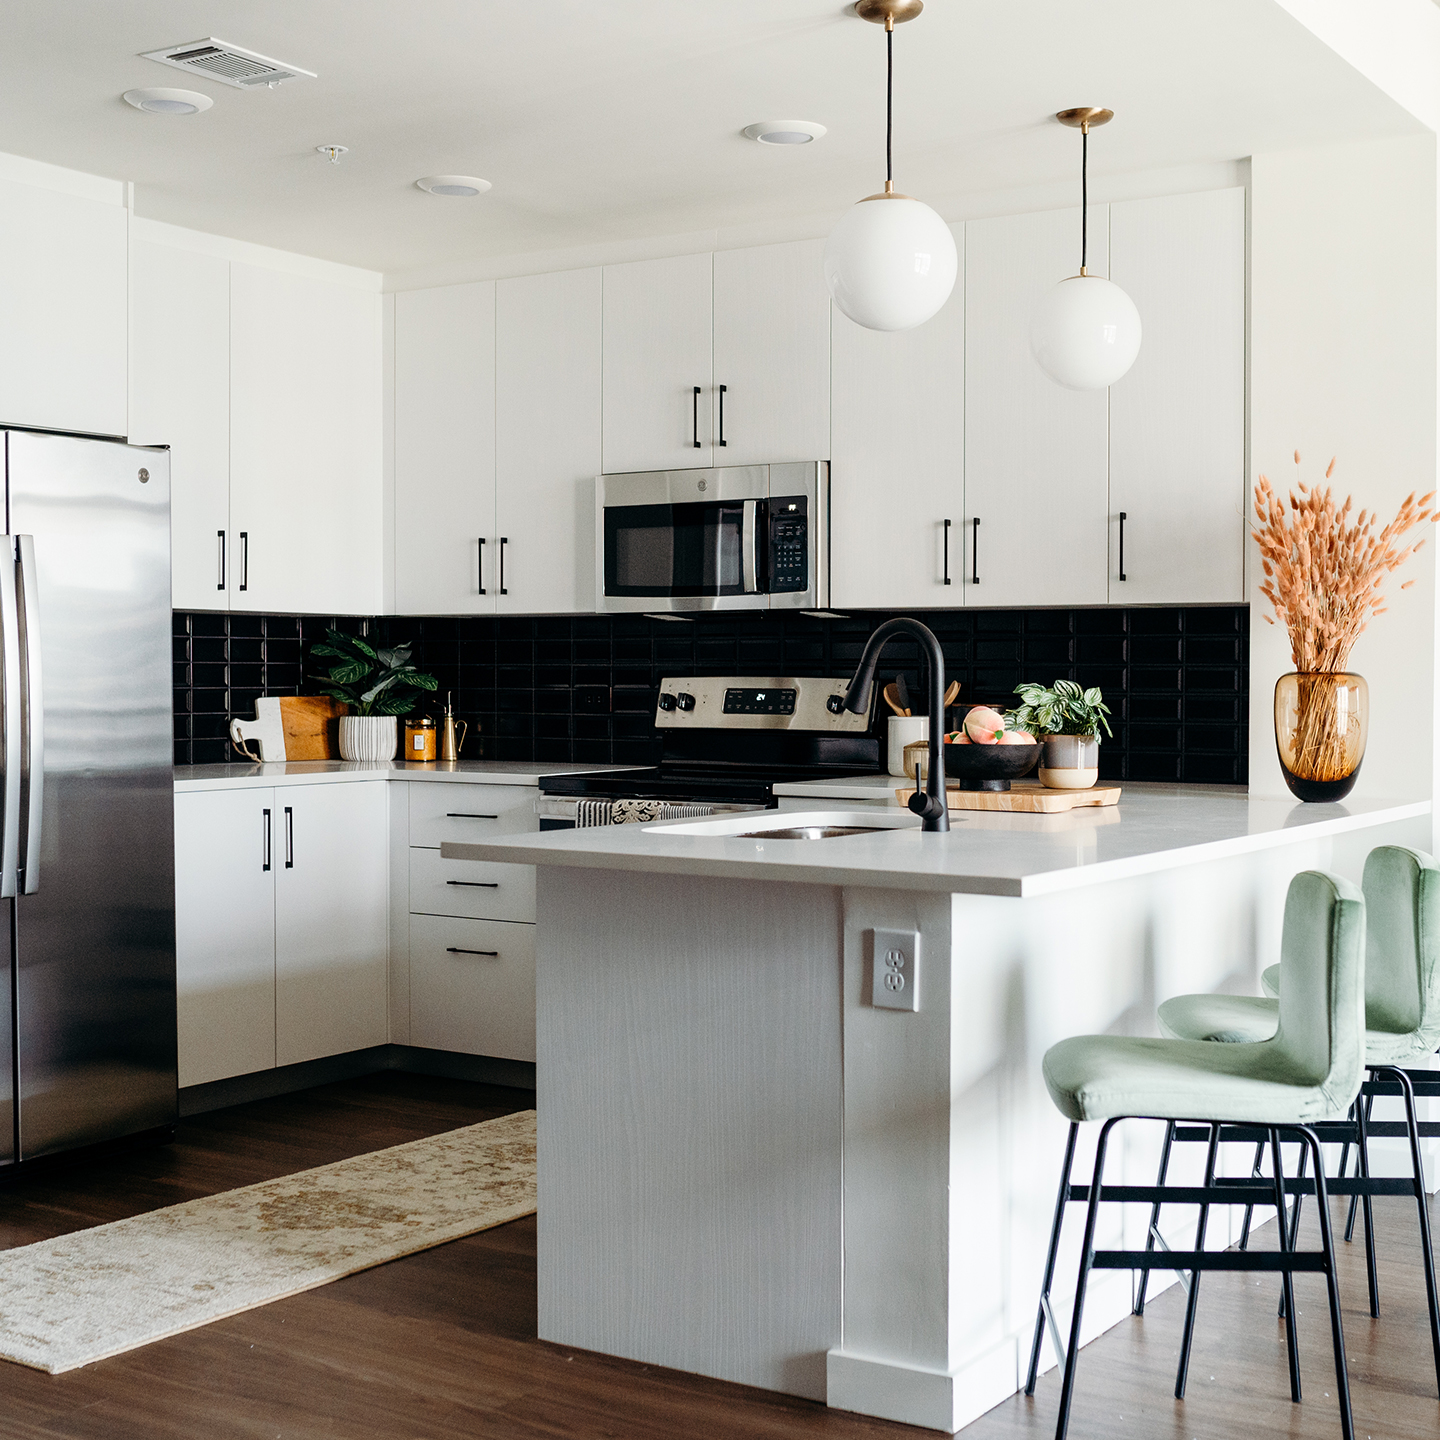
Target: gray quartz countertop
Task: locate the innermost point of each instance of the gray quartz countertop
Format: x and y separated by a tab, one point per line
321	772
1154	827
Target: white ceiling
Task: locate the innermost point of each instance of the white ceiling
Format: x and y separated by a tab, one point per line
598	121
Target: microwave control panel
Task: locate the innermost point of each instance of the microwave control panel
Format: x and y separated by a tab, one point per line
789	544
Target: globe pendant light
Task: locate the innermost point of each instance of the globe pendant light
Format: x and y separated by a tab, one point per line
1086	331
890	262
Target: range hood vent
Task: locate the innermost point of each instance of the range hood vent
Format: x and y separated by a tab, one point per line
230	64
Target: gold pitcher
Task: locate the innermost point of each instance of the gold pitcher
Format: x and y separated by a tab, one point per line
450	743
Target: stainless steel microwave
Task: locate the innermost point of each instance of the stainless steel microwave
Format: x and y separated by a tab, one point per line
738	537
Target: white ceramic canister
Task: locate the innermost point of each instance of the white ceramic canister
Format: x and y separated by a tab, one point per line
904	730
1070	762
368	737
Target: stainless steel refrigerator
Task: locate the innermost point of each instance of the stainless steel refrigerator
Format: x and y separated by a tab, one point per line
87	861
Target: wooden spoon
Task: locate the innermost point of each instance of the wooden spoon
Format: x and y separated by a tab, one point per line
952	690
892	699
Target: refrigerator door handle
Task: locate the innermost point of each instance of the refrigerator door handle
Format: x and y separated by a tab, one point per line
32	765
12	725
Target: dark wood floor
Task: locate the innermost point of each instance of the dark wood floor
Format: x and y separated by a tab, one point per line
442	1344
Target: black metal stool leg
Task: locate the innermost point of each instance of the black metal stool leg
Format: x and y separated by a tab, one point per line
1367	1205
1293	1225
1426	1247
1139	1306
1087	1259
1332	1284
1361	1120
1193	1300
1255	1173
1043	1312
1287	1288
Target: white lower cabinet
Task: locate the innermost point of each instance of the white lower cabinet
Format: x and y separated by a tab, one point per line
225	933
330	920
472	986
280	925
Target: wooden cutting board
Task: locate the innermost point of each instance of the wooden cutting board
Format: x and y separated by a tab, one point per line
1025	795
312	726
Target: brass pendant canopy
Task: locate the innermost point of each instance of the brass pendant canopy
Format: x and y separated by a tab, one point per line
888	13
1084	117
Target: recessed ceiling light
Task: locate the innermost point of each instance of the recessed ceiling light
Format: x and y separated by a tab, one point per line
161	100
783	132
453	184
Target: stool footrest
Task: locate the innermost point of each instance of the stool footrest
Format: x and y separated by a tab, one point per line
1269	1260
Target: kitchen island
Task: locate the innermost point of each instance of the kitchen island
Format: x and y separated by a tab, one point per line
749	1169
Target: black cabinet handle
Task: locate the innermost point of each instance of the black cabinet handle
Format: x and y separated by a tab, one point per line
1122	544
946	523
480	568
221	534
503	543
289	838
477	884
266	850
465	815
244	559
695	416
721	440
457	950
975	552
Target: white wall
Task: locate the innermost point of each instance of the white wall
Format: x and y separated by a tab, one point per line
1343	362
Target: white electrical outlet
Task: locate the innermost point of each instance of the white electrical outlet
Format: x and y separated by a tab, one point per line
895	982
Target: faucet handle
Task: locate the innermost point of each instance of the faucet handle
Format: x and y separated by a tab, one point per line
923	804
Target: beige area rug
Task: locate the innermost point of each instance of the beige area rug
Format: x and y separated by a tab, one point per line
84	1297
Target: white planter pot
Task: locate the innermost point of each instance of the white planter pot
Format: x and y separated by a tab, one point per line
1070	762
368	737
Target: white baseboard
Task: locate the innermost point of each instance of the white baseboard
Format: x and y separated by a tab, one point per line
934	1399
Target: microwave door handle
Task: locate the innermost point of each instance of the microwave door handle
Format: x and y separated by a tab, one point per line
12	711
749	570
33	761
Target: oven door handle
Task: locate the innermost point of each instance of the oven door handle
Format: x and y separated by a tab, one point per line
748	540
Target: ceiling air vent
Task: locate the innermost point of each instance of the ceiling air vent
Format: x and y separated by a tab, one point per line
230	64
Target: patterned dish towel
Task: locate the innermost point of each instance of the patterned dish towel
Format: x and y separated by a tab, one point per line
633	812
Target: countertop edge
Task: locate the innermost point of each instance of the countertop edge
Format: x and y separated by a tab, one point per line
278	773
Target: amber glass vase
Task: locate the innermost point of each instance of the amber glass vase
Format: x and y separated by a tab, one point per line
1321	720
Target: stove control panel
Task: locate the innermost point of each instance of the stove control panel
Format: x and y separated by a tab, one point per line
755	702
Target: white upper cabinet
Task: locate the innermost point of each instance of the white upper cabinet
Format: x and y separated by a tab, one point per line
547	439
447	555
658	364
1036	466
897	462
1177	420
305	443
62	310
771	394
180	397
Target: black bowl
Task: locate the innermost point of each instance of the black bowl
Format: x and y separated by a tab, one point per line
989	767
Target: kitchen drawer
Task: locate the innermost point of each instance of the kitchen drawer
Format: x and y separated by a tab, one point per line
440	811
474	888
475	1003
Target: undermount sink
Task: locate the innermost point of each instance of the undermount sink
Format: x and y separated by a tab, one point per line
794	825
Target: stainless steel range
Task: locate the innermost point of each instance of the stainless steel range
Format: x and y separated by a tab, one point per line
728	741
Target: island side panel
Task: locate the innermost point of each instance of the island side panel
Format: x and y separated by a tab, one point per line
689	1096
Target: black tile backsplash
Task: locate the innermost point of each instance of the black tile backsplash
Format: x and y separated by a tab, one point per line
537	688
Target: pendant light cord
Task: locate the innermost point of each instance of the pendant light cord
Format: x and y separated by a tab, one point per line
889	94
1084	194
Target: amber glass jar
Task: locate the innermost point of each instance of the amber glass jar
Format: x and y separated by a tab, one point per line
1321	721
420	738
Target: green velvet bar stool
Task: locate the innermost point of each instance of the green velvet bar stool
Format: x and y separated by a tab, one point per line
1307	1072
1402	1020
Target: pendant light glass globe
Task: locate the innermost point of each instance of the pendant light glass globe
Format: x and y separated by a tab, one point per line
1085	333
890	263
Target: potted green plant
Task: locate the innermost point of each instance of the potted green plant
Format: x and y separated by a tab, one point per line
1067	720
377	685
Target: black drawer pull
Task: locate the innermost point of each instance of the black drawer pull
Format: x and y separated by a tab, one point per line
946	580
480	567
464	815
458	950
1122	545
477	884
975	552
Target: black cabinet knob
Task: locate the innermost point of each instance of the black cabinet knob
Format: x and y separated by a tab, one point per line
835	704
685	701
667	702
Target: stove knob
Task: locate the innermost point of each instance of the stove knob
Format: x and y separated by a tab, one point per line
667	701
684	701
